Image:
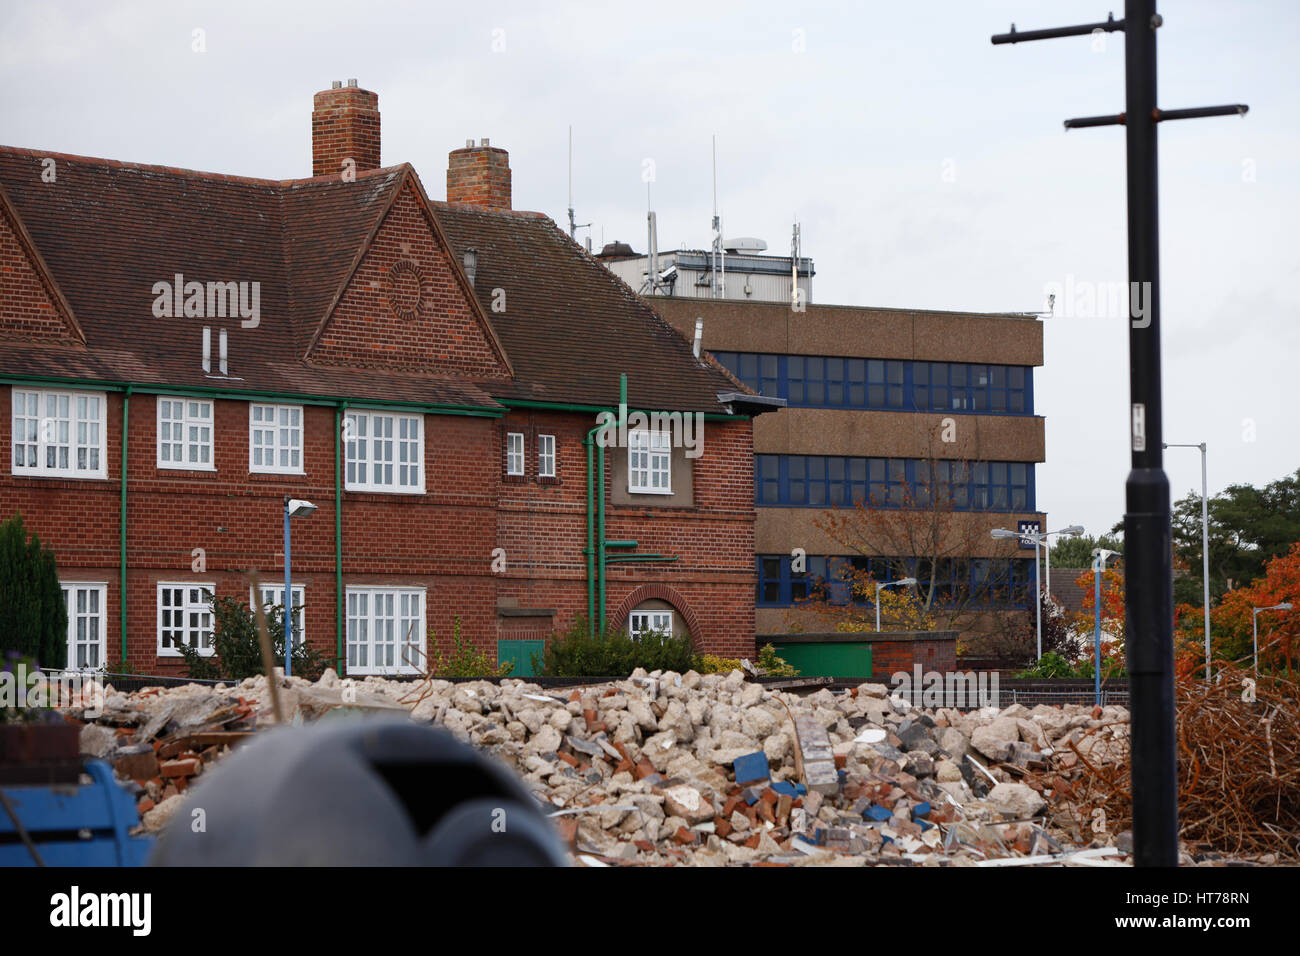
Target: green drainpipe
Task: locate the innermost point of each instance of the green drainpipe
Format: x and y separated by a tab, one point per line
591	542
126	418
600	539
338	534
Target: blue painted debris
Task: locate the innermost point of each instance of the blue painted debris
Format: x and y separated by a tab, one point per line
920	810
786	788
878	813
751	767
53	815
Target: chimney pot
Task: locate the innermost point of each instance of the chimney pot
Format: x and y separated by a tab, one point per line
344	126
479	176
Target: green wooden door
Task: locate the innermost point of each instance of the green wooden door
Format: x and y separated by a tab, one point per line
521	654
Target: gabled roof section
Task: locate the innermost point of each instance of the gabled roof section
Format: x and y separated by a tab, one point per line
32	306
406	286
109	232
570	326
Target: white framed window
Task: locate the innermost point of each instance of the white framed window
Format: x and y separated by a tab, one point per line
385	630
185	434
273	596
641	623
385	452
59	433
275	438
649	462
545	456
514	453
87	624
184	618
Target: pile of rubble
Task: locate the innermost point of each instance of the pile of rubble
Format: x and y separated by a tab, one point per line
667	768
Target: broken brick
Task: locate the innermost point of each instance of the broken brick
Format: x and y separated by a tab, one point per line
181	768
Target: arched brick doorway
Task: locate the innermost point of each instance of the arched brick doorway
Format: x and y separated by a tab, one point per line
662	592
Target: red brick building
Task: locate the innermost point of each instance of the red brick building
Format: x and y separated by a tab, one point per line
180	352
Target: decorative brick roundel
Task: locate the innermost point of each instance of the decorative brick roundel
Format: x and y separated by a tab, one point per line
404	285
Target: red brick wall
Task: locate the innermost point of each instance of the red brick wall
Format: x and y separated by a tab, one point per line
542	527
442	540
890	657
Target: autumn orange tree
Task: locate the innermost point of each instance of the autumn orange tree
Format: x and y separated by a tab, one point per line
1230	622
1112	614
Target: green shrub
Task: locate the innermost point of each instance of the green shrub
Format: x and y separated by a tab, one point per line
33	615
1054	665
712	664
773	666
465	659
612	653
239	650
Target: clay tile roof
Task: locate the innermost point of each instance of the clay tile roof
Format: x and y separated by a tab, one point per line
106	231
569	325
109	230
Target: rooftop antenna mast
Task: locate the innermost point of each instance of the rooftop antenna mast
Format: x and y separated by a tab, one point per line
717	255
795	246
652	284
574	226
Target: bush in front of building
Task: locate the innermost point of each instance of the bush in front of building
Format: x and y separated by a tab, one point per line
612	653
772	666
33	615
712	664
465	660
238	649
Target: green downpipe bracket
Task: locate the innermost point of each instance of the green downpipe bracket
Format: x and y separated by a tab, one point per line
338	534
126	427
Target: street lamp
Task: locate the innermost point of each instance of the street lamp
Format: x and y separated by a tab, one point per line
1254	622
1072	529
1205	548
1099	556
293	508
888	584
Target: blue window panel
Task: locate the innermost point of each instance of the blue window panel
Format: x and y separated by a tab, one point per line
836	382
821	481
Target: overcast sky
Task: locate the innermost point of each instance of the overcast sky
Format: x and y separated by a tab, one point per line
928	168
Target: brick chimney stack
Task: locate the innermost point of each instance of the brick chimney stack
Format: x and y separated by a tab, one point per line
479	176
344	125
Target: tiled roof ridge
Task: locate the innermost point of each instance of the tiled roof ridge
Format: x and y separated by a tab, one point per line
189	173
470	207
